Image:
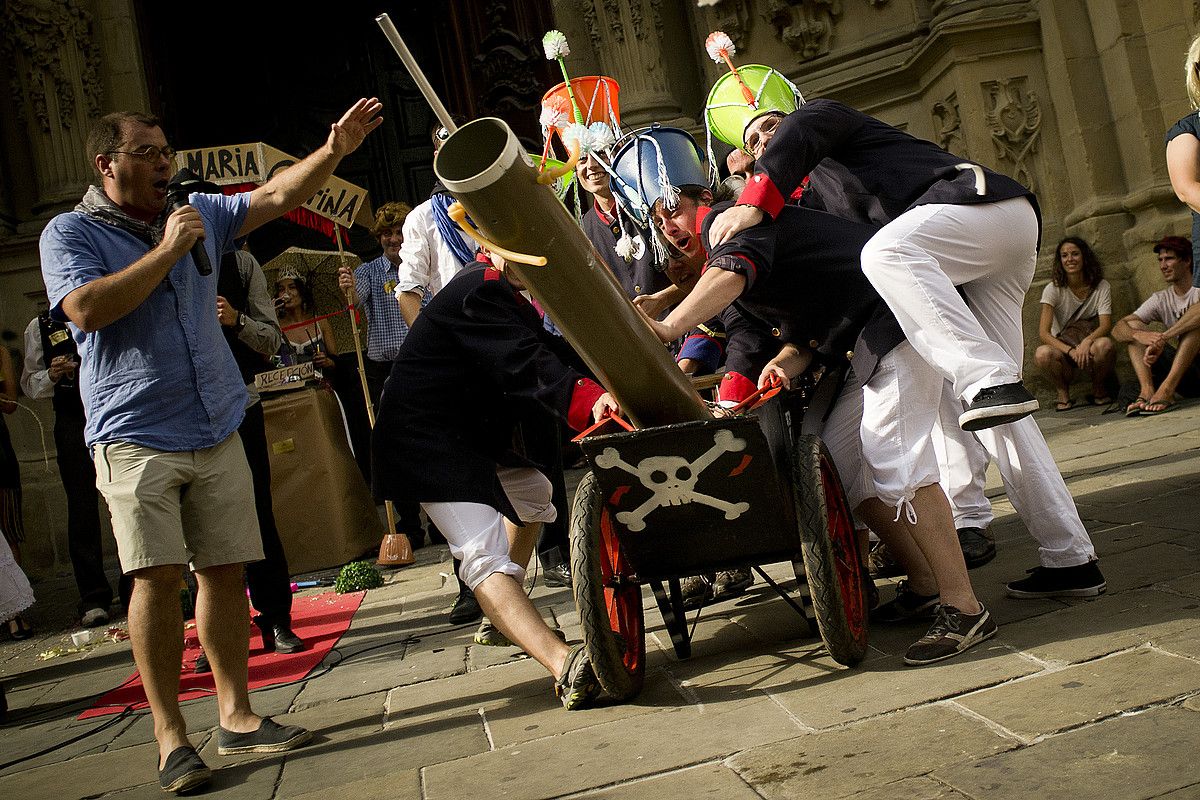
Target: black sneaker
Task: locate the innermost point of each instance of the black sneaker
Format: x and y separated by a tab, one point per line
978	547
1083	580
465	609
183	771
559	576
998	405
951	633
732	582
271	737
906	606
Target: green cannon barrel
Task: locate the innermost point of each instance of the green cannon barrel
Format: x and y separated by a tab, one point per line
483	165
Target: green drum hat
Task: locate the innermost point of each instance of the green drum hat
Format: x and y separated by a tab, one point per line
727	113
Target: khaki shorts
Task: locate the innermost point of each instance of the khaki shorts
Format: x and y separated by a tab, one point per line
195	506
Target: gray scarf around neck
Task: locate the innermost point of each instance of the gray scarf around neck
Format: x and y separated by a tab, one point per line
98	206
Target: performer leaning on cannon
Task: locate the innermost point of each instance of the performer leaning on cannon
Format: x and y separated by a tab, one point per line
801	275
476	360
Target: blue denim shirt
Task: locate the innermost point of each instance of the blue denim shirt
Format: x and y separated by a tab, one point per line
162	376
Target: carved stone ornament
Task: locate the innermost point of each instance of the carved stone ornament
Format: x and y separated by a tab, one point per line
52	49
734	18
507	63
805	26
644	20
948	124
1014	118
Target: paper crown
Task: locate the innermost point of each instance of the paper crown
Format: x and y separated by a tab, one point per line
651	163
727	112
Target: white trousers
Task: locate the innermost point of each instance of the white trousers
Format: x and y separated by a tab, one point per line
1031	479
476	532
988	250
963	463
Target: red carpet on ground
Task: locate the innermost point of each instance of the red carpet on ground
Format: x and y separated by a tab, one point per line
320	620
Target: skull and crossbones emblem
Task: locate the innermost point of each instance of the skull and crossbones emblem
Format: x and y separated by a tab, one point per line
673	480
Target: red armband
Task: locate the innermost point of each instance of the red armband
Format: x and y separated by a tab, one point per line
735	387
763	194
586	393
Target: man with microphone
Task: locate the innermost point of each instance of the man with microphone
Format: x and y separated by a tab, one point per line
164	399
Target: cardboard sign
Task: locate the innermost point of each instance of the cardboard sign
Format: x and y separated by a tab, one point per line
292	377
257	162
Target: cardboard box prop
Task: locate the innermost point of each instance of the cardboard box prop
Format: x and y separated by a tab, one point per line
323	509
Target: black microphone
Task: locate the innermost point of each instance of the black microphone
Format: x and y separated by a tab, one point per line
178	188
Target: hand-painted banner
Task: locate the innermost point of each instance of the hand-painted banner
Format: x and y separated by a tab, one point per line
257	162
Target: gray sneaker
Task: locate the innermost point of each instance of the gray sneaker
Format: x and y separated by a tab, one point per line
489	635
696	590
952	632
577	687
732	582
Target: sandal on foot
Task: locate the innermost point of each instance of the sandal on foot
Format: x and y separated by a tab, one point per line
1165	406
577	687
1065	405
1135	408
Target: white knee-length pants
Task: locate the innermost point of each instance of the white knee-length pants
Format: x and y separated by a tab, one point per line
989	251
476	532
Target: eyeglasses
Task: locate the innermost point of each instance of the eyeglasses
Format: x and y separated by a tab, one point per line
765	128
150	154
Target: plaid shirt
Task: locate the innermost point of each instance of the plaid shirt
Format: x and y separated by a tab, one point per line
375	282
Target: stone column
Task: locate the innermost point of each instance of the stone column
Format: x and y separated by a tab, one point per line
56	89
645	45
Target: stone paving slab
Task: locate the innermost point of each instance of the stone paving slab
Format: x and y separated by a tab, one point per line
1105	625
865	755
609	753
1130	757
705	782
911	789
1084	693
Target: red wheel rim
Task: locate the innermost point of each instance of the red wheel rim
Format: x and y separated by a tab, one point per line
622	597
845	550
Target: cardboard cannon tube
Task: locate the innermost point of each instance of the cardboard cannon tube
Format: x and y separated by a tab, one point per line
484	166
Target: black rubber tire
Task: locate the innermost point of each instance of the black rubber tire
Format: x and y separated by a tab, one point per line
830	550
610	611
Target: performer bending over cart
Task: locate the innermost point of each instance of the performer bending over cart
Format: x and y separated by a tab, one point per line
801	276
475	362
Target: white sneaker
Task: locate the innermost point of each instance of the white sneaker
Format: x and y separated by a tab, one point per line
94	617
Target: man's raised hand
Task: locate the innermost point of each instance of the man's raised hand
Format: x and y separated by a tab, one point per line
348	133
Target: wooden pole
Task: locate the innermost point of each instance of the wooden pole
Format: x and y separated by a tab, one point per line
410	63
396	549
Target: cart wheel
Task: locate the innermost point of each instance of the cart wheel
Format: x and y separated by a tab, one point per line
831	558
609	602
670	603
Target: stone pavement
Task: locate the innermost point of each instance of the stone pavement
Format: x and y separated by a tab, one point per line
1089	699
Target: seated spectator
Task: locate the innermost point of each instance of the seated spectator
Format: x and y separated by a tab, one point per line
1075	322
304	338
1163	370
11	520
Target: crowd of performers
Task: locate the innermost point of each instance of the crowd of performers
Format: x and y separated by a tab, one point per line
848	245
